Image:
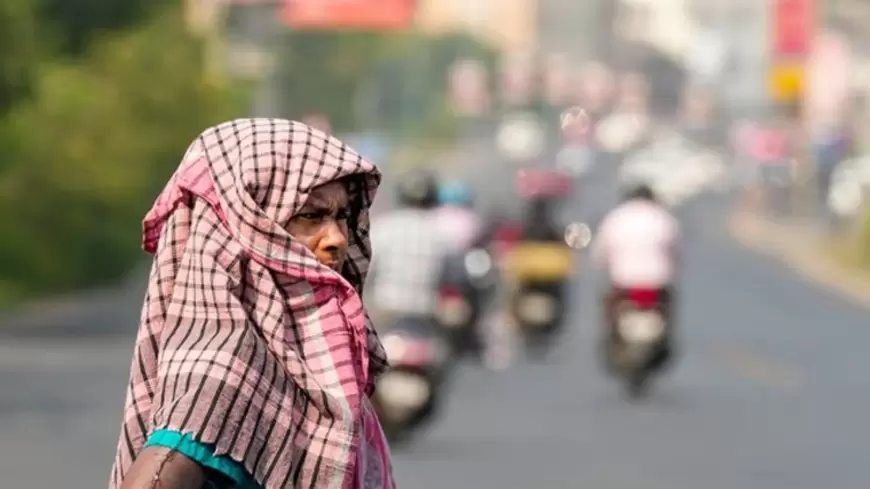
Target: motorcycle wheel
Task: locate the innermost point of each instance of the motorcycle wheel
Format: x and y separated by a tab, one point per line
637	384
538	347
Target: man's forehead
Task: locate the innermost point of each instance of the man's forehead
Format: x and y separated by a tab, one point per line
333	193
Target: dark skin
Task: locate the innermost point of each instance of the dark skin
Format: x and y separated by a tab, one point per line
321	225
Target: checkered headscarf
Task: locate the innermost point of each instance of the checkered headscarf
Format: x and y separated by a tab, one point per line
246	341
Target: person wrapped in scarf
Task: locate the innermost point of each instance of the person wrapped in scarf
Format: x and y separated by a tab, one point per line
255	358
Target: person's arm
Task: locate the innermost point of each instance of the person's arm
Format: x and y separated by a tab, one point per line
163	468
171	456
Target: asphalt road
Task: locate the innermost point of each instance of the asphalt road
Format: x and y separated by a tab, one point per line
770	392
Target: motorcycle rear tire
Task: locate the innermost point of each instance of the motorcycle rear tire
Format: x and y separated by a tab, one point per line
538	347
637	384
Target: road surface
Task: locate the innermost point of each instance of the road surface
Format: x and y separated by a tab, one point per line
770	392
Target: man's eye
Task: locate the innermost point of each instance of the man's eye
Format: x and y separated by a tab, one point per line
310	216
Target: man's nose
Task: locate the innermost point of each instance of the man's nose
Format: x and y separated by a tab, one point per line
334	238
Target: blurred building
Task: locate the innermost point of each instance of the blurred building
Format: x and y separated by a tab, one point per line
201	15
509	25
666	24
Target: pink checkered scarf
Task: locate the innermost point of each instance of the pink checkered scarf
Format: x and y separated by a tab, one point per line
246	341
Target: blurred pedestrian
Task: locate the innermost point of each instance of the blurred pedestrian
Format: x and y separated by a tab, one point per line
595	91
255	358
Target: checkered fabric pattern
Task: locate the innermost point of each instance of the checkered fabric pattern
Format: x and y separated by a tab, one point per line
246	341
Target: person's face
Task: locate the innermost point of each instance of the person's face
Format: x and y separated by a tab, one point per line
321	224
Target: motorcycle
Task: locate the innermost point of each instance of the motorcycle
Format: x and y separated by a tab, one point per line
639	344
538	274
462	296
410	394
538	268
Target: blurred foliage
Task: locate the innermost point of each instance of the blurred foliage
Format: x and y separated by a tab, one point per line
83	158
99	99
394	82
19	51
851	248
76	24
862	251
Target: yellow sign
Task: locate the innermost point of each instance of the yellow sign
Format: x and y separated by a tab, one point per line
785	81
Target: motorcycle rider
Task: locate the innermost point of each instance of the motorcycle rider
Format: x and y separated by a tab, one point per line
409	253
637	244
539	224
456	217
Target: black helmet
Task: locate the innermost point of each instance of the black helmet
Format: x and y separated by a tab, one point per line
419	189
641	192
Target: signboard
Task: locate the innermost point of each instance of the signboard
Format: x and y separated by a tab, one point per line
793	32
792	27
786	81
829	80
377	15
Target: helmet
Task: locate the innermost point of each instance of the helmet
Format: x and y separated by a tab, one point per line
640	192
454	193
418	189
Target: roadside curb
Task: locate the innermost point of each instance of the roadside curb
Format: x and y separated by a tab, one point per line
805	256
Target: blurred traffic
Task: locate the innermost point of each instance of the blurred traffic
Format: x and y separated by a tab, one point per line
552	281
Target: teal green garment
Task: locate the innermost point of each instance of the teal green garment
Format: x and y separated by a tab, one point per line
204	454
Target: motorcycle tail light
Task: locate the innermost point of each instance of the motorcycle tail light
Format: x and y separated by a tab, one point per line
449	292
534	184
644	297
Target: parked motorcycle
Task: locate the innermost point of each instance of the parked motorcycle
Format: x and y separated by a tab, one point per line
639	346
410	395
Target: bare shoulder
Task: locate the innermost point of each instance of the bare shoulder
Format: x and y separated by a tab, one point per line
164	468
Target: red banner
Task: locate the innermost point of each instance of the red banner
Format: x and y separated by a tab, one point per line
377	15
793	22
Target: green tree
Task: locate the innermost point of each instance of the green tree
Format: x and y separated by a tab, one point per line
389	80
19	51
78	23
92	149
322	72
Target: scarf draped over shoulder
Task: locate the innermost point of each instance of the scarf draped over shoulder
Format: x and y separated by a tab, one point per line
246	341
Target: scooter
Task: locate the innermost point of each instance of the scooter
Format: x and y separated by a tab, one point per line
410	395
538	274
538	268
639	346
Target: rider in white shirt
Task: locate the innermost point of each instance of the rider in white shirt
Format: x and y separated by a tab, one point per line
637	242
409	252
637	245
